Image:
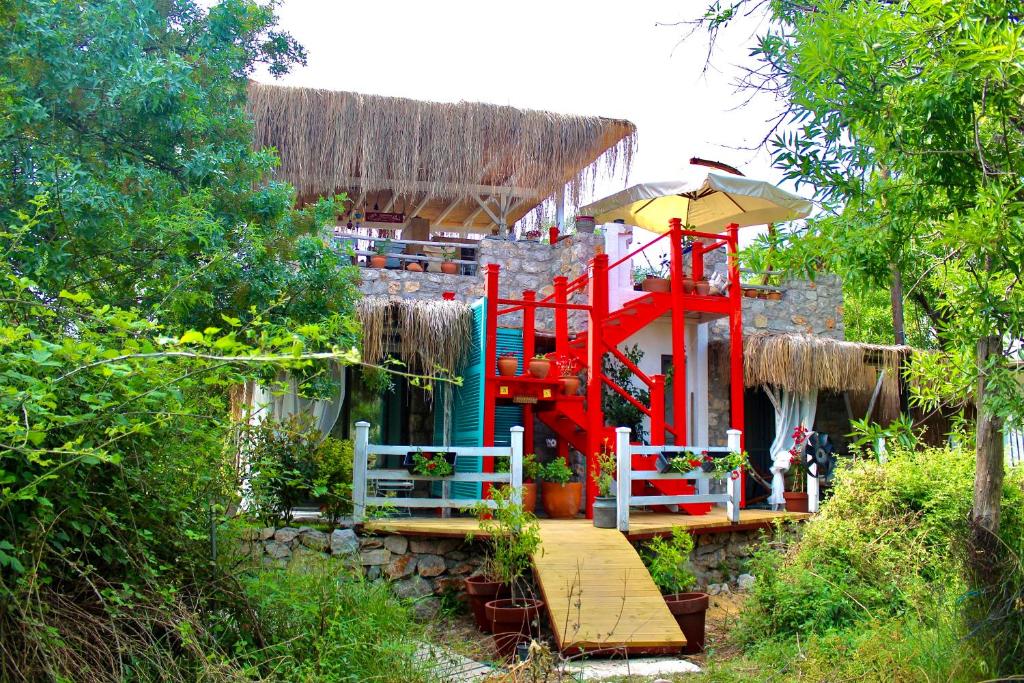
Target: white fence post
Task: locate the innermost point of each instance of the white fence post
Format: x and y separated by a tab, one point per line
623	477
812	492
359	463
880	449
516	465
735	480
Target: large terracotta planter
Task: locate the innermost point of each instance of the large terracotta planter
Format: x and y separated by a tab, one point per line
656	284
689	609
378	261
570	385
561	501
513	622
507	366
540	367
449	268
481	591
530	497
795	502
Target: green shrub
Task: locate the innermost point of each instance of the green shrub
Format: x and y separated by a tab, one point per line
668	561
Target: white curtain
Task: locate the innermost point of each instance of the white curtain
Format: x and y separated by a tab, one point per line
791	410
281	403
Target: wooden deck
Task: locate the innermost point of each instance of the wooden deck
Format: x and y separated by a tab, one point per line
641	524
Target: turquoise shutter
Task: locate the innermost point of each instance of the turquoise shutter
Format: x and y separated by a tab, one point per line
508	416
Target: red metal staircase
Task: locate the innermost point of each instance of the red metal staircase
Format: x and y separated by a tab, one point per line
579	420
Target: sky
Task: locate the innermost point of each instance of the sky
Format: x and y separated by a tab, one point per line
617	59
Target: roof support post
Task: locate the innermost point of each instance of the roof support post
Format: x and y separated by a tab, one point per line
560	208
490	341
736	345
679	398
595	359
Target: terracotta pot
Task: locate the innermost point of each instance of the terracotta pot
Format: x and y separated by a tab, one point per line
689	609
688	285
750	293
540	367
656	284
795	501
481	591
507	366
513	622
570	385
449	268
378	261
561	501
605	512
414	267
775	296
530	496
703	287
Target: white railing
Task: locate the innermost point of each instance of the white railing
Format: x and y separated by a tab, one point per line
362	474
364	245
626	475
1014	448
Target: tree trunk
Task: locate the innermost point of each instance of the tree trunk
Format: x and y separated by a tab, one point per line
988	478
896	296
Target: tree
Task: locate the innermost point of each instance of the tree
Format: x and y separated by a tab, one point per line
906	120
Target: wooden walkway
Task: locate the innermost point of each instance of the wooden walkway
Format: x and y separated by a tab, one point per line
598	593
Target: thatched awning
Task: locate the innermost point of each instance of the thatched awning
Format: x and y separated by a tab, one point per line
460	166
802	362
431	336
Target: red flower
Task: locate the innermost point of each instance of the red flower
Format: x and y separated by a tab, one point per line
431	465
694	463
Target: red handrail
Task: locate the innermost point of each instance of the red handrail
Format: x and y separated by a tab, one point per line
629	365
638	250
622	392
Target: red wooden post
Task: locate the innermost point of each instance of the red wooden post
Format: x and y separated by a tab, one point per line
595	356
658	410
678	331
561	315
529	327
553	235
448	296
736	342
697	260
491	271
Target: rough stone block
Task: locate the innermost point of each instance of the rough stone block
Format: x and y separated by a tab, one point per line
414	587
399	545
316	540
344	542
375	556
401	567
430	565
370	542
277	549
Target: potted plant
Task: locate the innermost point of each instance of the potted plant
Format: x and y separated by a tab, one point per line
531	473
512	537
540	366
448	266
604	482
568	367
379	258
702	287
508	363
655	278
558	493
796	497
432	464
668	561
414	266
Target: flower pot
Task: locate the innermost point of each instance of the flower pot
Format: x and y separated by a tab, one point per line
414	267
656	284
378	261
570	385
529	496
605	512
481	591
664	462
703	287
750	293
585	224
774	296
795	501
688	285
512	622
449	268
540	367
561	501
507	366
689	609
409	464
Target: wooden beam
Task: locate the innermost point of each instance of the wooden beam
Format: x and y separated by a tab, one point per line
447	210
483	205
456	190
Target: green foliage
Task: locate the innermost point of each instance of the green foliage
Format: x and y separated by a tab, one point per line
617	410
900	431
431	465
668	561
512	536
604	475
556	471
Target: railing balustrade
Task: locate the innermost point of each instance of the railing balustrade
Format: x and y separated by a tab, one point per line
363	245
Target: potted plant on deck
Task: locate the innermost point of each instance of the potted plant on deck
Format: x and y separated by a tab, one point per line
796	496
653	278
668	561
559	494
568	367
604	482
380	251
540	366
448	265
531	474
512	536
508	363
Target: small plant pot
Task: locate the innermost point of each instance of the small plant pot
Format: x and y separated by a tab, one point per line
570	385
512	622
774	296
585	224
703	287
561	501
689	609
530	497
688	285
482	591
656	284
409	464
540	367
605	512
449	268
750	293
414	267
378	261
664	462
795	501
507	366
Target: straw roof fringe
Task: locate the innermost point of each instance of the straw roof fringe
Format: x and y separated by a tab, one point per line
801	362
429	336
326	138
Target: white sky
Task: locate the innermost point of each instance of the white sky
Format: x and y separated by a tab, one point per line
568	56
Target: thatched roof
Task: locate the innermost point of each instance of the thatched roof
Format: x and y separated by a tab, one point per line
431	336
432	159
801	362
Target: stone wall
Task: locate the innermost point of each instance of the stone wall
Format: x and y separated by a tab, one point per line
722	557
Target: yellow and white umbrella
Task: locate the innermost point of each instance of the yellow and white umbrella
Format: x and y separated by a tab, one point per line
721	199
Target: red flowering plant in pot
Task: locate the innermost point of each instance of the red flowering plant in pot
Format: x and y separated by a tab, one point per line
512	536
668	561
796	496
568	367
